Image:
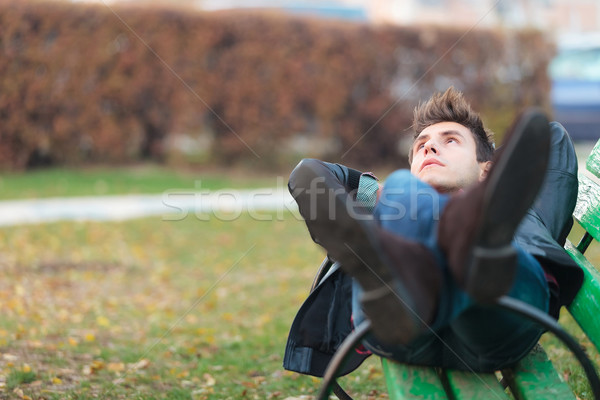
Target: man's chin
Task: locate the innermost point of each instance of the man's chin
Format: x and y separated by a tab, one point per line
439	185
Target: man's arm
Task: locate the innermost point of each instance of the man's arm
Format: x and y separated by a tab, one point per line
346	176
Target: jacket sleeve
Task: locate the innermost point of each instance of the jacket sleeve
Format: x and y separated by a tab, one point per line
346	176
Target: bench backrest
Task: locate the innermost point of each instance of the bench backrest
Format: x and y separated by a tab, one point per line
586	306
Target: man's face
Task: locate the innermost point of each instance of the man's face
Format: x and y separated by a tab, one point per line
444	156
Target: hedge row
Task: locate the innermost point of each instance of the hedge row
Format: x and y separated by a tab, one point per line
88	83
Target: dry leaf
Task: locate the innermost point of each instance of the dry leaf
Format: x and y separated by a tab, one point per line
209	380
142	364
93	367
102	321
115	367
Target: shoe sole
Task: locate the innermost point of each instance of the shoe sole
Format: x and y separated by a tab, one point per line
348	233
492	264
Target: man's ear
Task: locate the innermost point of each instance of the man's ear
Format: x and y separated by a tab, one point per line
484	168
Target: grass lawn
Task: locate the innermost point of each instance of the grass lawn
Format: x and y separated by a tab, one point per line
150	309
99	181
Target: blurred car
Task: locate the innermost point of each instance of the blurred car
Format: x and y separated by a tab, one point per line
575	93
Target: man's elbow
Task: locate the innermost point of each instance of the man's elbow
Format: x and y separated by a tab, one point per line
299	177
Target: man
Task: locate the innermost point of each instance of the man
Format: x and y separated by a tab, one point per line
462	228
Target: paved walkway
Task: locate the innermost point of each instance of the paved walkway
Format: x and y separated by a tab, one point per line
222	204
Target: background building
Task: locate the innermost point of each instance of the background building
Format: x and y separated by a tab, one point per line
561	17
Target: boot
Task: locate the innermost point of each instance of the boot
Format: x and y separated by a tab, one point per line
477	226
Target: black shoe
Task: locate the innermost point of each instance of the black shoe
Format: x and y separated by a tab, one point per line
477	227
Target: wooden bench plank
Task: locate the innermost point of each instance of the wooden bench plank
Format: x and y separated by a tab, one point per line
408	382
468	385
587	210
593	161
534	377
585	308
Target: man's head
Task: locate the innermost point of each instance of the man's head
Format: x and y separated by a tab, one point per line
451	148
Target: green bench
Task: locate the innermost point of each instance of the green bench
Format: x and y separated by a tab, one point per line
534	377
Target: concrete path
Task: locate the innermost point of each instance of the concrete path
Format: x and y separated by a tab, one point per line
223	204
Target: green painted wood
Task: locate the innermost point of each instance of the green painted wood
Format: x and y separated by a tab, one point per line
408	382
584	243
593	161
587	210
534	377
585	308
469	385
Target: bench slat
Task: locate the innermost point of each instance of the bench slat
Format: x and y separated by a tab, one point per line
587	210
534	377
593	161
585	308
468	385
408	382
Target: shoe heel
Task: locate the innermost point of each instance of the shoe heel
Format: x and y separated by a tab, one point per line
491	273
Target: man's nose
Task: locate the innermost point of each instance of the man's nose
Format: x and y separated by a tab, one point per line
430	147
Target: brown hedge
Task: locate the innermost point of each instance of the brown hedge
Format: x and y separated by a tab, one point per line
82	83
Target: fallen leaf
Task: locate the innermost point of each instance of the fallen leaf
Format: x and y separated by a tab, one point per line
115	367
209	380
142	364
93	367
183	374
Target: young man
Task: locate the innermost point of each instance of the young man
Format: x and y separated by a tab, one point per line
444	240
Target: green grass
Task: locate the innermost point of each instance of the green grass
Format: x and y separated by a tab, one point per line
563	360
18	377
58	182
152	309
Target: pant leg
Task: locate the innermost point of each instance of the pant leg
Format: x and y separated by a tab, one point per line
464	335
488	338
412	209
